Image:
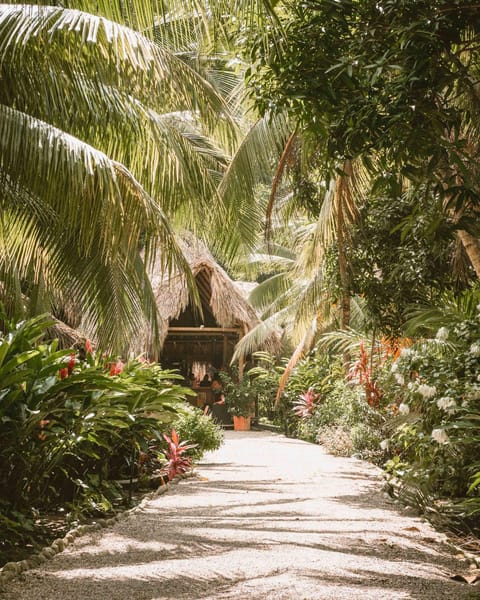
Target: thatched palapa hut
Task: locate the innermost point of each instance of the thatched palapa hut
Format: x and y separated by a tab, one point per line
192	341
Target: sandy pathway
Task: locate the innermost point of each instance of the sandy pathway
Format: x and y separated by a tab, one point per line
269	517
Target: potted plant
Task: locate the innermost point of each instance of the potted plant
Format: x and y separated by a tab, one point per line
239	400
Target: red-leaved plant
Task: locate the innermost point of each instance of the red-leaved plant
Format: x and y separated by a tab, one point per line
303	407
176	463
361	373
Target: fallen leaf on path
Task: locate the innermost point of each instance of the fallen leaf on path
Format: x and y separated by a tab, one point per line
411	529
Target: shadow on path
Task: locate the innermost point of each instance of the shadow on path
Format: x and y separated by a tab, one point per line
272	530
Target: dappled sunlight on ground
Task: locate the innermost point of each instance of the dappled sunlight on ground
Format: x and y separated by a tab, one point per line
267	517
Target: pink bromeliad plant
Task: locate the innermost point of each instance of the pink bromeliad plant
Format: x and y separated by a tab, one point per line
177	464
303	407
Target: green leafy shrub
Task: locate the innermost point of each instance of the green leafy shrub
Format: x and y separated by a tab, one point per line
312	373
240	395
265	379
340	418
435	389
69	425
199	429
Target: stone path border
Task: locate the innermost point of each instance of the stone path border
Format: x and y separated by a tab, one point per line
12	569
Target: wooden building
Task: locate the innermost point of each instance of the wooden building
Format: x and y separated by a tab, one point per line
200	337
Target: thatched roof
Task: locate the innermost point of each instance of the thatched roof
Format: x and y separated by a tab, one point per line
215	287
217	291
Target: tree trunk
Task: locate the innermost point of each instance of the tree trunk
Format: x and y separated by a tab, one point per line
472	248
343	196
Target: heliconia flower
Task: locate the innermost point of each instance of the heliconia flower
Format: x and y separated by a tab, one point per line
88	347
63	373
427	391
440	436
71	364
116	368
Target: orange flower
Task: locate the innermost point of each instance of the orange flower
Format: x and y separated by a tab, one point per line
88	347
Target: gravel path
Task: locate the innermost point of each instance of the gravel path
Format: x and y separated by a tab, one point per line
268	517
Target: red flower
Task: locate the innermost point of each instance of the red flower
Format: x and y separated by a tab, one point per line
116	368
71	364
88	347
63	373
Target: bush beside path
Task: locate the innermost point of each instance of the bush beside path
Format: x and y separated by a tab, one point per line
267	517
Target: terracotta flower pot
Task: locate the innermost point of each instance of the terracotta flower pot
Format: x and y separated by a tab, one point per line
241	423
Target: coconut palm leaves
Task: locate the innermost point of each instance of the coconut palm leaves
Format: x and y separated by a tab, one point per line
96	119
251	166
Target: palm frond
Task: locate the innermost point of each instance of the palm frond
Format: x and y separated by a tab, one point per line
252	164
267	296
450	310
258	337
102	50
342	341
49	236
304	345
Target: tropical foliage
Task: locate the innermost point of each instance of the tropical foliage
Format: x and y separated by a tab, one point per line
178	463
239	394
435	386
114	133
200	430
329	147
71	425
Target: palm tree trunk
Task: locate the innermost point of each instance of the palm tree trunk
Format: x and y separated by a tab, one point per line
472	248
344	279
344	195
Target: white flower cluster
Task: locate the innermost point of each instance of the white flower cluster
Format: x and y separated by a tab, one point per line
406	352
475	349
447	404
399	378
440	436
403	409
427	391
442	334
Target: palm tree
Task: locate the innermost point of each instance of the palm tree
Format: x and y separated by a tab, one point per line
105	147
